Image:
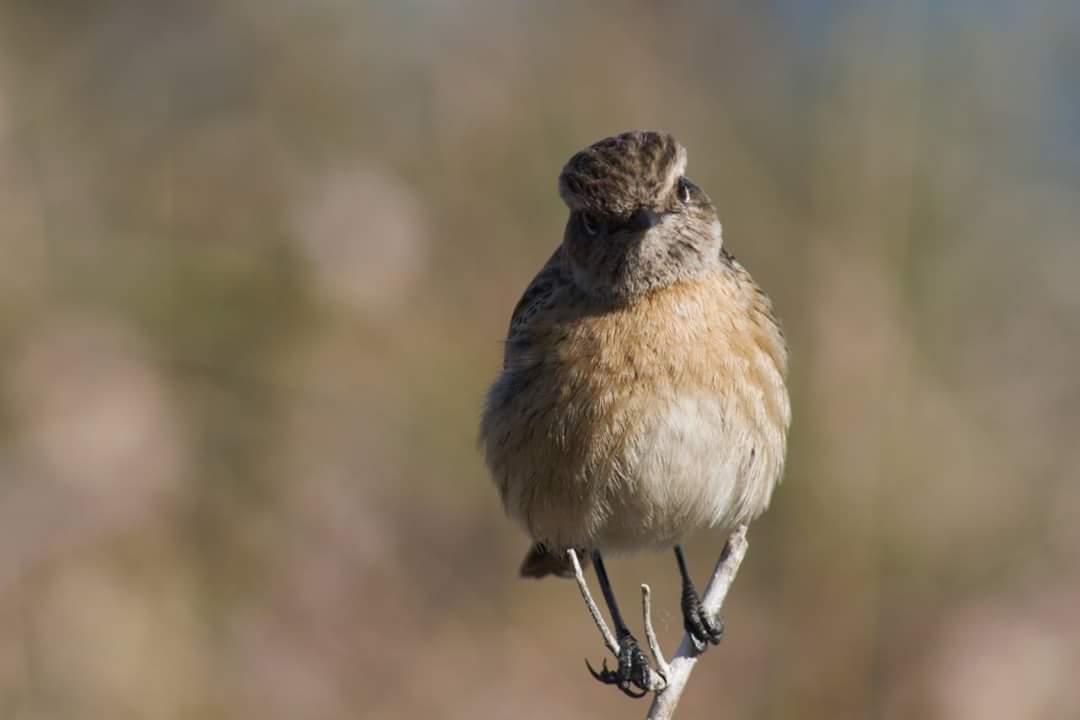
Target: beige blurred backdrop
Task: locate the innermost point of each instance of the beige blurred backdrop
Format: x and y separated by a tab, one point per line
256	263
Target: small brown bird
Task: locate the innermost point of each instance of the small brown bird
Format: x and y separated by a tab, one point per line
642	394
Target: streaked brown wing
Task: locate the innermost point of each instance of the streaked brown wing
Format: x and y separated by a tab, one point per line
536	295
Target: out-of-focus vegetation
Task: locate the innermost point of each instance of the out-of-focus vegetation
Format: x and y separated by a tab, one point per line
256	260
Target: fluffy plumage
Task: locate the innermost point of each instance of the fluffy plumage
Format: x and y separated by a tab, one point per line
642	394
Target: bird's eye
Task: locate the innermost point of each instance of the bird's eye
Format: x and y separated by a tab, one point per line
590	222
684	190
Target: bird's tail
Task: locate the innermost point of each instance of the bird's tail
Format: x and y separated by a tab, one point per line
540	562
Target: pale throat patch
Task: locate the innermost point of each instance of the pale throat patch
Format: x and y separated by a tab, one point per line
717	233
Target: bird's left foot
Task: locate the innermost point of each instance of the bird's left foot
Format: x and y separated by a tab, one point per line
702	627
634	670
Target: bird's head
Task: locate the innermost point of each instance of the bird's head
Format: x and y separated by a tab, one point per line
636	222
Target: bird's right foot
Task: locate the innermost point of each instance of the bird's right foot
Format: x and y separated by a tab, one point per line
633	671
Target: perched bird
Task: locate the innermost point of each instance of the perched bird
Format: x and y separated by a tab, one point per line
642	393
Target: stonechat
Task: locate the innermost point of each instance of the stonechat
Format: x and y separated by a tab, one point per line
642	394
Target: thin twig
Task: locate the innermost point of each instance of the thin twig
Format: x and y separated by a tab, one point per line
650	635
609	637
663	706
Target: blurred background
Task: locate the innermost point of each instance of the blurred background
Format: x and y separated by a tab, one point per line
256	263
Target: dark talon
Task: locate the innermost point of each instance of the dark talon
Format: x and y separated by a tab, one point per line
611	677
633	665
603	676
702	627
633	668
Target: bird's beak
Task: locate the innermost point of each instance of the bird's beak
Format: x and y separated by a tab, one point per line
643	219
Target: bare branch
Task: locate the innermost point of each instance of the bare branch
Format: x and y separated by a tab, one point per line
609	637
650	635
669	679
678	673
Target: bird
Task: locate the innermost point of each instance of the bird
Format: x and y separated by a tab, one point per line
643	390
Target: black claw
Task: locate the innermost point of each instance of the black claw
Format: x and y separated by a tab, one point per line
603	676
633	669
702	627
